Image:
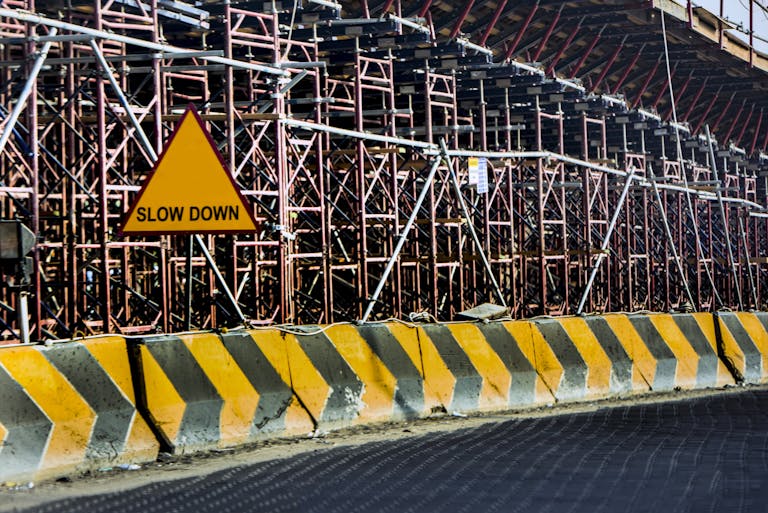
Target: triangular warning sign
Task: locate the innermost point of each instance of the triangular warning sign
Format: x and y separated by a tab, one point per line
189	190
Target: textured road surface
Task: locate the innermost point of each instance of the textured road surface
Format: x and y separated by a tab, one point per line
699	455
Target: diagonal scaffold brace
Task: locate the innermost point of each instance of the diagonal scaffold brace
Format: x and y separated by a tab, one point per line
440	157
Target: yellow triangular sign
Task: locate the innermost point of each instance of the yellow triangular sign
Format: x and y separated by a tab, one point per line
190	189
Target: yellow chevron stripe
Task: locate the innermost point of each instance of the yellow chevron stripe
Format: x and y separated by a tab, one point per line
437	376
3	434
537	351
240	398
598	363
141	443
297	419
706	322
72	418
409	341
687	358
163	401
112	355
306	381
496	377
643	362
408	338
757	333
380	383
273	346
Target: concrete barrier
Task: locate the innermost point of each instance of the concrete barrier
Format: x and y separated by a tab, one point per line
611	355
526	386
327	386
347	374
700	331
580	364
744	344
205	391
481	367
684	347
630	358
397	347
69	407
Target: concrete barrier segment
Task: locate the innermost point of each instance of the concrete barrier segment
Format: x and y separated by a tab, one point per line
263	358
507	366
69	407
538	352
665	375
685	349
643	361
25	427
744	344
449	369
573	383
626	351
345	374
412	340
206	391
482	366
396	348
379	385
699	331
181	401
496	379
325	383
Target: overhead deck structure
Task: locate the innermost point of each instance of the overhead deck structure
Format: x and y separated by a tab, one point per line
349	129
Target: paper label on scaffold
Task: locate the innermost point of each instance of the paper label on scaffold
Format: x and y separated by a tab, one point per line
473	175
190	189
482	175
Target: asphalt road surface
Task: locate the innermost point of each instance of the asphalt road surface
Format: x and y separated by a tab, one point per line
702	454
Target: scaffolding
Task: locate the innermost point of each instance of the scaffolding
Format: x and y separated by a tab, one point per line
350	133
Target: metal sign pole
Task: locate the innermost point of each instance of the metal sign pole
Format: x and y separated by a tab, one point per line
188	284
219	277
23	313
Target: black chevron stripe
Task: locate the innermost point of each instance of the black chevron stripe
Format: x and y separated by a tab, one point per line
753	359
621	364
574	382
522	390
27	426
200	424
114	413
666	362
409	393
275	395
469	382
706	372
346	387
